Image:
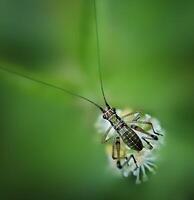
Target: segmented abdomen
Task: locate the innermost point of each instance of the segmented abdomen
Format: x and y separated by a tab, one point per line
131	139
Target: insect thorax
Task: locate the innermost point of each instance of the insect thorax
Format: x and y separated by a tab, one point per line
111	115
116	122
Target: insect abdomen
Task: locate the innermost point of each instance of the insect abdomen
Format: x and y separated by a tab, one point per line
131	139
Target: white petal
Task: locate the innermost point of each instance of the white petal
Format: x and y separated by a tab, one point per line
144	175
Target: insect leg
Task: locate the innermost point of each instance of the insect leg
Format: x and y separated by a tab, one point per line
148	143
133	113
149	123
116	147
104	138
116	153
128	159
135	120
152	137
139	129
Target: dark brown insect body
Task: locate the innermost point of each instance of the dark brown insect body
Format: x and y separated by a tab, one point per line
129	137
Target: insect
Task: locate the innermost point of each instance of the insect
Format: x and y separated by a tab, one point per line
125	157
126	131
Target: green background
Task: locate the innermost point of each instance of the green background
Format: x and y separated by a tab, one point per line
49	148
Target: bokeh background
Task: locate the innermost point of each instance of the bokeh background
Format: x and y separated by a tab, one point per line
49	148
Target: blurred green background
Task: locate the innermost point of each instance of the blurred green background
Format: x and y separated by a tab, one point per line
49	148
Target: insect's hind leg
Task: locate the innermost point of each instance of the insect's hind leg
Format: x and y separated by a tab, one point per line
116	148
116	152
128	159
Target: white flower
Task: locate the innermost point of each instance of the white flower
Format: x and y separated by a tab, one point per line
146	157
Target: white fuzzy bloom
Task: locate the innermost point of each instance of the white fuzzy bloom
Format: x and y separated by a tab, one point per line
145	158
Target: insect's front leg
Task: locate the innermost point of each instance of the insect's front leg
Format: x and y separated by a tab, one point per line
104	138
138	116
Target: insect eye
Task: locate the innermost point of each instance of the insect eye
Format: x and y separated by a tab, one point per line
114	110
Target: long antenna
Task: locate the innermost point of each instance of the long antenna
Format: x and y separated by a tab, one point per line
50	85
98	54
